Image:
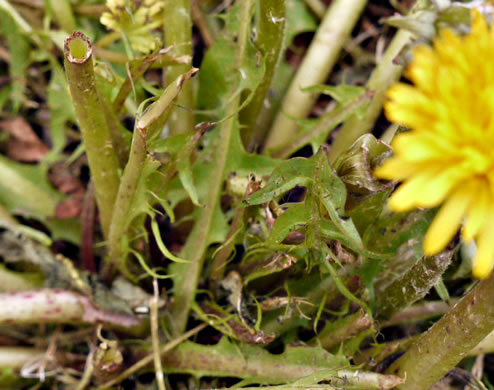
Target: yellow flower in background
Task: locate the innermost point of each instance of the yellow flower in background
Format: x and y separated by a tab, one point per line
447	157
135	19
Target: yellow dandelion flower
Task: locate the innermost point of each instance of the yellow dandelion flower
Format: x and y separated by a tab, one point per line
447	157
135	19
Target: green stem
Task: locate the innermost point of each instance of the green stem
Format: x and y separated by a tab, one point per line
449	340
137	69
91	10
341	330
178	33
414	285
144	129
486	346
377	353
220	261
324	125
341	286
317	7
322	55
102	159
158	368
122	59
126	191
62	12
386	73
270	40
119	135
187	275
418	312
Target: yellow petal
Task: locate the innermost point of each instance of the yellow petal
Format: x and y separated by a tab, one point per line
408	194
479	25
447	222
421	69
484	259
415	147
396	169
440	183
476	216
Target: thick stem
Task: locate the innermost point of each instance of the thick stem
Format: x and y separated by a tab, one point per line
128	186
486	346
323	52
220	261
317	7
419	312
343	329
119	135
55	306
157	112
270	40
62	13
386	73
449	340
414	285
102	159
16	357
187	275
178	33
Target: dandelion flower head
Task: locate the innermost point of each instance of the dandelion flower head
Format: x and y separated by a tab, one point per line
135	19
447	157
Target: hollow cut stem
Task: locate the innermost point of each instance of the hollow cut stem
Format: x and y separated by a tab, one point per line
102	159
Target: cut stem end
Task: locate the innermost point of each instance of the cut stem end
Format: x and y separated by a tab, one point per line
77	48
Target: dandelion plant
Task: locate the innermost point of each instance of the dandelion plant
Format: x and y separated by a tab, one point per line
290	194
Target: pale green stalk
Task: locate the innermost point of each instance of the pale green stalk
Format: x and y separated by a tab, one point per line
449	340
17	357
63	15
386	73
158	368
318	63
324	126
317	7
103	162
157	112
187	275
178	34
271	32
